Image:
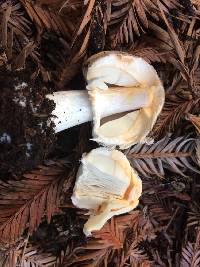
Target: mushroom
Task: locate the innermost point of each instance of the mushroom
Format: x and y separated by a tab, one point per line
110	72
106	185
123	99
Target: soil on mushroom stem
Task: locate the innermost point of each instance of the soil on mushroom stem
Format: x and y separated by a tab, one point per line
26	137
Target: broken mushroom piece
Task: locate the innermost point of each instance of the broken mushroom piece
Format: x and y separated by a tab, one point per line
106	185
108	73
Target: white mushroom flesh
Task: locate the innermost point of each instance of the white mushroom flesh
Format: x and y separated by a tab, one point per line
113	72
106	185
74	107
71	108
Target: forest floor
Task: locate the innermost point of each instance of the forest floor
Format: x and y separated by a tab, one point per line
43	44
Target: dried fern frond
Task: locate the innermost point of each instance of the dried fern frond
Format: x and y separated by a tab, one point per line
86	12
193	219
174	155
138	258
196	4
151	50
117	242
131	18
13	18
29	256
86	18
158	209
173	35
158	46
13	23
198	150
174	111
111	236
195	73
9	254
161	46
16	34
190	256
142	230
113	232
195	120
46	19
22	26
24	203
49	243
187	255
90	33
35	257
150	53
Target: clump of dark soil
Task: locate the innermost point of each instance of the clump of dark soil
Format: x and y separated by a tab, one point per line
26	135
62	230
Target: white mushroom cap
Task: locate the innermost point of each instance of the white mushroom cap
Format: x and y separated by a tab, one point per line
106	185
110	72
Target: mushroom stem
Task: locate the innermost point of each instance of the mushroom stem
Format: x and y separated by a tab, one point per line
71	108
74	107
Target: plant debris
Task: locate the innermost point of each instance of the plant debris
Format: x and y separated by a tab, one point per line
43	45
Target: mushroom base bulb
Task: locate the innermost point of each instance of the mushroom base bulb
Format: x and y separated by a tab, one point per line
106	185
